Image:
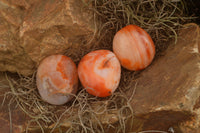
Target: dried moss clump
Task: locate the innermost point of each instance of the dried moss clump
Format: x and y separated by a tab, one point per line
160	18
84	114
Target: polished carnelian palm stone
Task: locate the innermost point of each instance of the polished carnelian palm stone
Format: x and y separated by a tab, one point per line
57	79
99	72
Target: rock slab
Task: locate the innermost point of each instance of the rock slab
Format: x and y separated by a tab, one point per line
168	91
32	30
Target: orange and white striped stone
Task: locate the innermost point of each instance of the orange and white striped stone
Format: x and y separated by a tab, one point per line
99	72
133	47
56	78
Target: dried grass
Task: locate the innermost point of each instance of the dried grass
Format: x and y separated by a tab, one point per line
160	18
84	114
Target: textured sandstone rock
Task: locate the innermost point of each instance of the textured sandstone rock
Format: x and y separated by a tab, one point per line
18	3
167	92
12	56
32	30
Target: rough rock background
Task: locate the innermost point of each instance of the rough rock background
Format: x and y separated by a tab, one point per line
168	91
32	30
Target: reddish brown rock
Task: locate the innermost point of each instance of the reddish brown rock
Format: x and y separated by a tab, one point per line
18	3
12	56
168	91
50	27
32	30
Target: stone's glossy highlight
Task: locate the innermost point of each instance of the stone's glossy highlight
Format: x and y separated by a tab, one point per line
133	47
99	72
56	78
